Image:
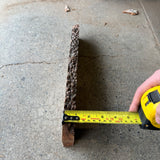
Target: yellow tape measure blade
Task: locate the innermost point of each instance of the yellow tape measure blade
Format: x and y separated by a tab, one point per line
104	117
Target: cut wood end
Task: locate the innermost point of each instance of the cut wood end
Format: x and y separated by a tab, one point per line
67	135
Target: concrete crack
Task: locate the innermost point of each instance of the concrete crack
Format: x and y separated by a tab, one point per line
16	64
29	62
99	56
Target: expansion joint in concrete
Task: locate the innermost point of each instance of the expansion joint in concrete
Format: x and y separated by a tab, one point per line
149	22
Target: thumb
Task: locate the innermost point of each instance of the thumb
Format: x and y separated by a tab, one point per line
158	114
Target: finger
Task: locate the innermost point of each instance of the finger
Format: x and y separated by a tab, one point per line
149	83
158	114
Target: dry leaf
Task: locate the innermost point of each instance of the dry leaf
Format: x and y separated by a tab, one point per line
67	9
131	11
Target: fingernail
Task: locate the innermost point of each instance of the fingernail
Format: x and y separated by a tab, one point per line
158	120
158	114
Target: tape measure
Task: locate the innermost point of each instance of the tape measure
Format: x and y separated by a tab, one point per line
145	116
103	117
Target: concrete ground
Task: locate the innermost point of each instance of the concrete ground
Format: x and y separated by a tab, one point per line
117	53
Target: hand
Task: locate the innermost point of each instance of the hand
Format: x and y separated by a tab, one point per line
152	81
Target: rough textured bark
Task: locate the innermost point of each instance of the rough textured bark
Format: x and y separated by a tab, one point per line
71	87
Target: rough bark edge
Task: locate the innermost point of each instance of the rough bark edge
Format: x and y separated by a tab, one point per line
71	87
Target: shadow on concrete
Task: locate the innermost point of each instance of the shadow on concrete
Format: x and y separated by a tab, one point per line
93	93
91	86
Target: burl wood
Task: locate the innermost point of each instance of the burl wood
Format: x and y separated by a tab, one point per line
71	87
